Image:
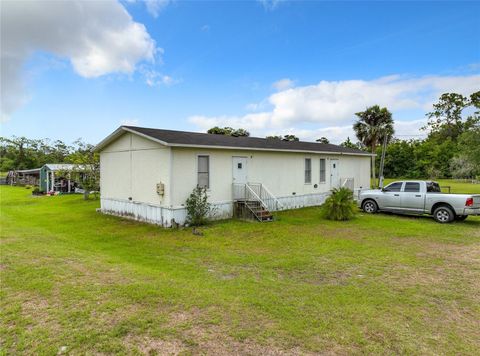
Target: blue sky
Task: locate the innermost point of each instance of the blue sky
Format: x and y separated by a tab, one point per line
271	67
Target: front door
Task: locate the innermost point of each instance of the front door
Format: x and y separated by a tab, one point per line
334	176
389	198
240	172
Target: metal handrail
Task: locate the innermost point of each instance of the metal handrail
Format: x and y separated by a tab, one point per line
255	195
256	191
271	196
256	198
348	182
264	194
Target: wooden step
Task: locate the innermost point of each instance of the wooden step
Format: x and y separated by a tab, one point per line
265	215
257	210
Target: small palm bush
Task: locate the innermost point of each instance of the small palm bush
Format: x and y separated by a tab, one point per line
339	205
198	207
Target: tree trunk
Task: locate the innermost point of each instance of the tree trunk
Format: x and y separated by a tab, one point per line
86	194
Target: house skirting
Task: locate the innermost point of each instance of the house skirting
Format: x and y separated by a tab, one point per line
169	216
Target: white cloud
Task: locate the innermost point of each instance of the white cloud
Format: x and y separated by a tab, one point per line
252	106
154	7
97	37
283	84
129	122
154	78
410	129
256	121
332	104
270	5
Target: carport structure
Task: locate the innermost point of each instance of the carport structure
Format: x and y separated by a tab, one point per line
56	177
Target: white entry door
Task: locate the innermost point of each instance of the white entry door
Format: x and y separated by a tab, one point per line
240	171
334	176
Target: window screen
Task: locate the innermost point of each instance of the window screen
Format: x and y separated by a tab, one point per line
322	170
203	172
308	170
394	187
412	187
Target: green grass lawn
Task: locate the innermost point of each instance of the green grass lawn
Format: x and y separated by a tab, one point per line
76	281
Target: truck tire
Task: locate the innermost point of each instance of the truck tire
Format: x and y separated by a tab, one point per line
443	214
461	217
370	206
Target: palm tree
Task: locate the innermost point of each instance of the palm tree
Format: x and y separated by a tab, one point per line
371	128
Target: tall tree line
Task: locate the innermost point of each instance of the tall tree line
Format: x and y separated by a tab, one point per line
18	153
450	150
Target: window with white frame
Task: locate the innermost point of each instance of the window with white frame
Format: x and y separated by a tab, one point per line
308	170
323	172
203	171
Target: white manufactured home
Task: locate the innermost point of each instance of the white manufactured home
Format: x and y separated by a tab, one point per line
147	174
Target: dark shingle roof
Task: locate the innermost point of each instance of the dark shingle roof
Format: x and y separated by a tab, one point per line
183	138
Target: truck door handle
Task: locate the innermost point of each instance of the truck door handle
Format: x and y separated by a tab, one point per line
397	195
418	196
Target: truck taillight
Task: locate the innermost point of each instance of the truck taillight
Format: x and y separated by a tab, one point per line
469	202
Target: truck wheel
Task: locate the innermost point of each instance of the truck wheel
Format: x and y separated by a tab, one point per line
369	206
461	217
443	214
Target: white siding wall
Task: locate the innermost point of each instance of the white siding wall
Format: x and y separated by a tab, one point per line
131	167
281	172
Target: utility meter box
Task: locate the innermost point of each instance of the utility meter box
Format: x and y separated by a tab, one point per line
160	189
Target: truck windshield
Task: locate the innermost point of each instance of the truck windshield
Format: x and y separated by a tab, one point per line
433	187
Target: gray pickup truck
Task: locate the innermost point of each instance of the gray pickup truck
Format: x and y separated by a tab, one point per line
420	197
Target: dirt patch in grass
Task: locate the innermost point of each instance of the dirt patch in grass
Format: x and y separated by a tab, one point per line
194	333
318	278
151	346
96	273
469	253
439	264
35	314
204	341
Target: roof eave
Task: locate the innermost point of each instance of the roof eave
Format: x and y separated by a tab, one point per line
271	149
120	131
146	136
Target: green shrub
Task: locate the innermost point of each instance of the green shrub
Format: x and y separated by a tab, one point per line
198	207
339	205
